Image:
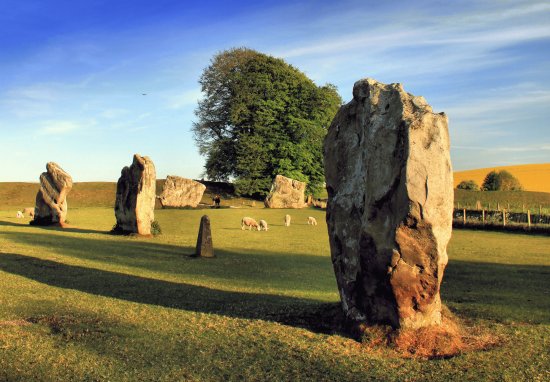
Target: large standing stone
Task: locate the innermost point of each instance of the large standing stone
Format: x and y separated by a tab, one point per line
51	199
204	247
181	192
286	193
135	197
389	213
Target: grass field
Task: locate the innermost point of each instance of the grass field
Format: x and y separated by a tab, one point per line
533	177
78	304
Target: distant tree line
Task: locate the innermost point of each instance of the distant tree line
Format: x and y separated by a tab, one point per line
494	181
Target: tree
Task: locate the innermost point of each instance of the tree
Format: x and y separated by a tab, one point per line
501	181
468	185
261	117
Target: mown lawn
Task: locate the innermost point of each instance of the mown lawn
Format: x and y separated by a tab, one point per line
78	304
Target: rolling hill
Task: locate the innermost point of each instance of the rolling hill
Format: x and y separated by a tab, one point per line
533	177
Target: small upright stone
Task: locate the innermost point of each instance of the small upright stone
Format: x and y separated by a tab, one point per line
181	192
390	205
51	199
204	240
286	193
135	197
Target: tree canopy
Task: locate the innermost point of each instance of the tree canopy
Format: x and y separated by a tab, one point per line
501	181
261	117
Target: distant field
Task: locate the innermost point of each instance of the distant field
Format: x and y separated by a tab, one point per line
533	177
18	195
511	200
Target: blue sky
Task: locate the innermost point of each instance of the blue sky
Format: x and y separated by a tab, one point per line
72	73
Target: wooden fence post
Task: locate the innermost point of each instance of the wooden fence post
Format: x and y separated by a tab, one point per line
498	206
504	217
464	216
483	216
529	219
540	210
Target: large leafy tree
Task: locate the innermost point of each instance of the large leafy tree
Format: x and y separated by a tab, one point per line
261	117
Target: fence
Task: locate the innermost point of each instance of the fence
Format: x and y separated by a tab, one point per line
501	220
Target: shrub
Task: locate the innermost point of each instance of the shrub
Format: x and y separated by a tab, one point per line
468	185
155	228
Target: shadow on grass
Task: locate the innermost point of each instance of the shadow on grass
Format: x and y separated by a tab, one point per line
278	269
304	313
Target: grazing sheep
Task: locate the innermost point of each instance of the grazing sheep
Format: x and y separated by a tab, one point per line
29	211
287	220
20	215
311	220
263	225
250	223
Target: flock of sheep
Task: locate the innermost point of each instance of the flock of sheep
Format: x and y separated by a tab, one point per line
262	224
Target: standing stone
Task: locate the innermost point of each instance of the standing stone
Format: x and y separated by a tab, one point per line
389	213
286	193
181	192
204	239
135	197
51	199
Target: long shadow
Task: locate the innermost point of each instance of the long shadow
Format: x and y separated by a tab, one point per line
52	227
308	314
245	266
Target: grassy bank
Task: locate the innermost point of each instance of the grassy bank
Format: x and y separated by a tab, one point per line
78	304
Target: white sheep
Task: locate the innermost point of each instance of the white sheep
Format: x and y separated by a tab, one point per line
20	215
263	225
287	220
311	220
250	223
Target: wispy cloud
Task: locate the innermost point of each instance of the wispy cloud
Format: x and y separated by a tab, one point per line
62	127
185	99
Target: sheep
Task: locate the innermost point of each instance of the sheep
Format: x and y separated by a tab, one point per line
263	225
29	211
20	215
311	220
250	223
287	220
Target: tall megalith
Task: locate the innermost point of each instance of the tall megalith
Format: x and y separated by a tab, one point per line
390	202
51	199
135	197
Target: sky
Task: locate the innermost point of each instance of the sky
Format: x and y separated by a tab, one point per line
87	84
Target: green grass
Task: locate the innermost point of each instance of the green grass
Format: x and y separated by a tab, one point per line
77	304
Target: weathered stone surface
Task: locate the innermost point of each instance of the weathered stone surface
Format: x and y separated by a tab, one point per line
286	193
135	197
204	248
181	192
389	212
51	200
